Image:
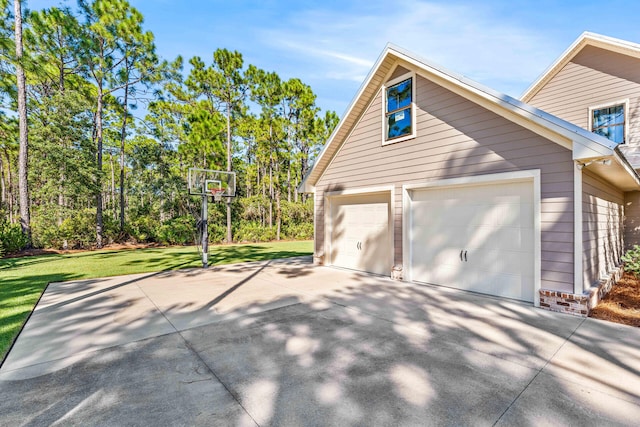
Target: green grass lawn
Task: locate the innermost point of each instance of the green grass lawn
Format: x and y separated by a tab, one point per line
22	280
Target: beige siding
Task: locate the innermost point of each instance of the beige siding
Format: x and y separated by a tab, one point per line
602	227
632	219
594	77
399	71
458	138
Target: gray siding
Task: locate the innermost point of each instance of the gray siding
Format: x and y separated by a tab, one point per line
594	77
602	227
456	137
632	219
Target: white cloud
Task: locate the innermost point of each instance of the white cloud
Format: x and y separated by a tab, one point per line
470	39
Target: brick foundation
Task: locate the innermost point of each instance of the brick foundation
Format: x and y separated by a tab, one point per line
579	304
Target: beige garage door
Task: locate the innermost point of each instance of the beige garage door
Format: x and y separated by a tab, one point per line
360	233
478	238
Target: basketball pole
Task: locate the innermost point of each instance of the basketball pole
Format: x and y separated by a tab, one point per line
205	233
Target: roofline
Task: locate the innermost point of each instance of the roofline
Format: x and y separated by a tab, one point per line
585	39
622	159
560	126
590	144
302	187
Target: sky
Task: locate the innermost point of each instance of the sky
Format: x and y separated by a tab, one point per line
332	45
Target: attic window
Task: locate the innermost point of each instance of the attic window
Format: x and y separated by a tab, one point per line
399	117
609	121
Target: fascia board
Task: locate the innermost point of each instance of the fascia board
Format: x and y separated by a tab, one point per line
586	39
622	160
554	68
305	185
583	151
456	82
583	143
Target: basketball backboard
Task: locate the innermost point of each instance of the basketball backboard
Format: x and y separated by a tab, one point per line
213	183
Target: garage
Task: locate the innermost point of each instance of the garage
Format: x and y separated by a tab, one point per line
479	238
360	237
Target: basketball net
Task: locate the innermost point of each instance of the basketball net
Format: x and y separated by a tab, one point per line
216	193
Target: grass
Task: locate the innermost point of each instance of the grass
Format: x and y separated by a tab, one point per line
22	280
622	303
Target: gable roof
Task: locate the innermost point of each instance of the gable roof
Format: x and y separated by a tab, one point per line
623	47
584	144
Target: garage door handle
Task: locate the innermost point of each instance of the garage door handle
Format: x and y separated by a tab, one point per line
461	254
465	256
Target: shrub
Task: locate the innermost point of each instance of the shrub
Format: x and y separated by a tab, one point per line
45	230
632	261
253	232
80	230
302	231
178	231
143	229
297	212
11	238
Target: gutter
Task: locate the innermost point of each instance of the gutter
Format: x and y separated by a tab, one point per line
619	156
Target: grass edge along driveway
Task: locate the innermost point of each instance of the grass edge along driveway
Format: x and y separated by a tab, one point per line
22	280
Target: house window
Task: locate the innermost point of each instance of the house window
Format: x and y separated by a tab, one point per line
398	113
609	122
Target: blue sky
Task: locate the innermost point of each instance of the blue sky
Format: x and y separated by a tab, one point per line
331	45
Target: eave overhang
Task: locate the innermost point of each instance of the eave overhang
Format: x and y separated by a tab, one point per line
583	144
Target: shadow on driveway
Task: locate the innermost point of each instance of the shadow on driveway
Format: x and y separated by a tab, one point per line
288	343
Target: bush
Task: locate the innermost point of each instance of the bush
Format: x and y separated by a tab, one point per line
80	230
298	231
11	238
45	231
297	213
143	229
178	231
632	261
253	232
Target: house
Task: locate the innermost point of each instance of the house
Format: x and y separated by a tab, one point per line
596	75
433	178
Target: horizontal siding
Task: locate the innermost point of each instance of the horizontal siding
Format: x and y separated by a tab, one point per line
399	71
594	77
602	227
455	138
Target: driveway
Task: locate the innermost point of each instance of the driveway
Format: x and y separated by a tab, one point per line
288	343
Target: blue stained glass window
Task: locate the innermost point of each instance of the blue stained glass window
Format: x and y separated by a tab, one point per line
609	122
398	109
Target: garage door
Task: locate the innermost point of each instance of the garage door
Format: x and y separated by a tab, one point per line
478	238
360	233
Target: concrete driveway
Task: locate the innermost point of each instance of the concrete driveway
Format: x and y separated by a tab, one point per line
288	343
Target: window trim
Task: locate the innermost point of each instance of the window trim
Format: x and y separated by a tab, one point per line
410	75
625	104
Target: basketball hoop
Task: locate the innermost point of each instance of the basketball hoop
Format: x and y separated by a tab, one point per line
216	193
209	183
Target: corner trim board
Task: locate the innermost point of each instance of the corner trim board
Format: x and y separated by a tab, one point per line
578	285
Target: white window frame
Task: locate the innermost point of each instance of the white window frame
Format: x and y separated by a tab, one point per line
625	103
412	76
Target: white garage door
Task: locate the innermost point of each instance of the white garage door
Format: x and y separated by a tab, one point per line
360	233
478	238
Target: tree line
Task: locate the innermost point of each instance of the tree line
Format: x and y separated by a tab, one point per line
80	168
